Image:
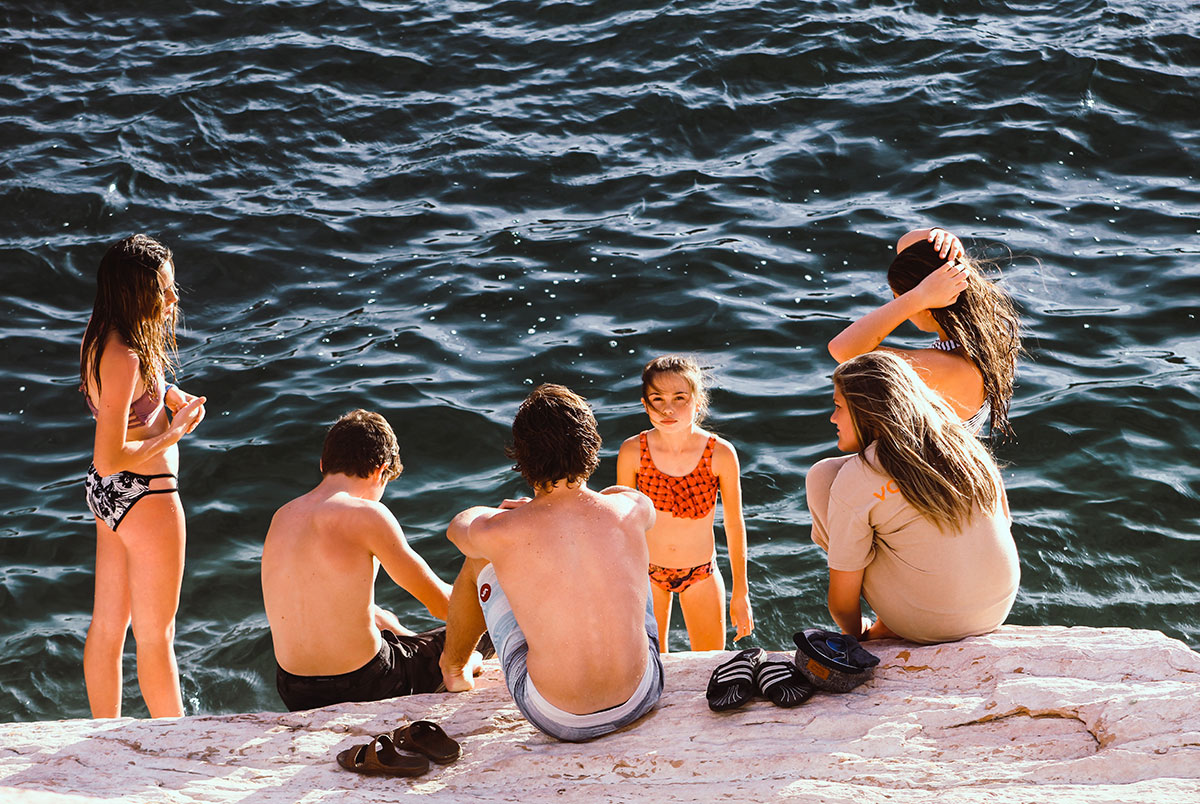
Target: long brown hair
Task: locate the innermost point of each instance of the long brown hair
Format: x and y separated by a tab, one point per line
941	469
129	301
983	320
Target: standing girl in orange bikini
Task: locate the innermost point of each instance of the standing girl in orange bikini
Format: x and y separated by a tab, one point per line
681	467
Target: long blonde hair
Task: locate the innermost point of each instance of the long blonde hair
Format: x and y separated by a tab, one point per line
129	301
983	321
941	469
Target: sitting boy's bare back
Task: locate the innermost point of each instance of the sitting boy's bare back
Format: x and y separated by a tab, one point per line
318	583
572	562
319	562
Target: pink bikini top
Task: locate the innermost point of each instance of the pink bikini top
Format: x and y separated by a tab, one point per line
143	410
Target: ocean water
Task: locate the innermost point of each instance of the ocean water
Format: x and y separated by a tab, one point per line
425	208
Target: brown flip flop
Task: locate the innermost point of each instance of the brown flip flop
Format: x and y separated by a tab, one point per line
428	738
386	761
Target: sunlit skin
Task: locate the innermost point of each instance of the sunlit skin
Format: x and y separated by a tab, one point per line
951	374
670	404
320	561
139	570
676	444
176	399
166	283
847	438
572	563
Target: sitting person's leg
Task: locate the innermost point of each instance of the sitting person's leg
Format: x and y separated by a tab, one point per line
407	664
464	626
817	485
880	631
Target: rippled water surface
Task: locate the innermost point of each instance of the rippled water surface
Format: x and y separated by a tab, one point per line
427	207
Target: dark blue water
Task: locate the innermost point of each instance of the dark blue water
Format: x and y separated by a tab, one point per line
425	208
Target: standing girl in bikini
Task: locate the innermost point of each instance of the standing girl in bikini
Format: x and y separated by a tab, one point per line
973	361
131	485
681	467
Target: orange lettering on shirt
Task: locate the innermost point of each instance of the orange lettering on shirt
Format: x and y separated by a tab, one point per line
884	489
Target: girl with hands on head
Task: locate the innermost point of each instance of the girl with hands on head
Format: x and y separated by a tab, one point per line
131	485
935	286
681	467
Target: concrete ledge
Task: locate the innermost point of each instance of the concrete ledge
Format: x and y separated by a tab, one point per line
1024	714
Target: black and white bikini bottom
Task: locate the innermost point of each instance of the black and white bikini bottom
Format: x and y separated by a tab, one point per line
110	498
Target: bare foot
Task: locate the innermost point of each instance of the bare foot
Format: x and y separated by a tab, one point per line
461	679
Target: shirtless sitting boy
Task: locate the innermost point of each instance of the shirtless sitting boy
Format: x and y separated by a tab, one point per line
560	582
320	558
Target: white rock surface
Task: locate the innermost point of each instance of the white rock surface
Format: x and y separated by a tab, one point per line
1022	715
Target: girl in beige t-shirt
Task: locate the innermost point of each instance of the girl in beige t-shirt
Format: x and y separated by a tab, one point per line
916	522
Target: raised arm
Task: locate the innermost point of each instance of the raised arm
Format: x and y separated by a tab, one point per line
403	565
939	289
112	451
729	475
865	334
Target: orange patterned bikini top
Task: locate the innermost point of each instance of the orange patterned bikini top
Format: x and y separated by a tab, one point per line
692	496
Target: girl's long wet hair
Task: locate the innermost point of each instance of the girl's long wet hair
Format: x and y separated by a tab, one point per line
983	320
129	301
941	469
685	367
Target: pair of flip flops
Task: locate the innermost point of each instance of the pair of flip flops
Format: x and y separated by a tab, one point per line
751	672
382	756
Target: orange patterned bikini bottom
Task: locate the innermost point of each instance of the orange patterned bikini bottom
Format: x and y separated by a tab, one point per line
676	579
